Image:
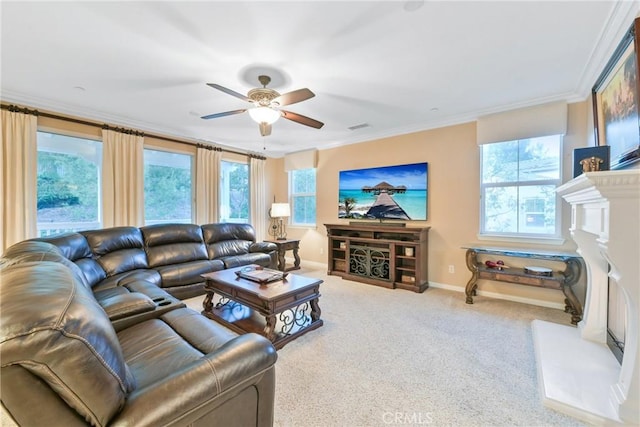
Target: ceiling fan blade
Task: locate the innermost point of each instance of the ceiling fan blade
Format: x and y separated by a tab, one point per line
293	97
229	91
226	113
265	129
303	120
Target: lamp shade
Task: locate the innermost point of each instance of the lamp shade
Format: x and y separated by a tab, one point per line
264	115
280	210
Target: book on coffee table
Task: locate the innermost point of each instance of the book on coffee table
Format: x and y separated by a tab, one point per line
260	275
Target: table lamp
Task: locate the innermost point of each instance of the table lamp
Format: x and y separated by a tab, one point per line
280	211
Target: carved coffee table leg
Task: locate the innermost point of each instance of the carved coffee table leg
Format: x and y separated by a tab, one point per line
315	310
470	289
207	304
270	327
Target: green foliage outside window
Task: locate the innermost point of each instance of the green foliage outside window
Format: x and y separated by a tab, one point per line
239	192
67	188
167	192
234	192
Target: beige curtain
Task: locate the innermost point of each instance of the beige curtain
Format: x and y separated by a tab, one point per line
257	193
18	188
207	185
122	179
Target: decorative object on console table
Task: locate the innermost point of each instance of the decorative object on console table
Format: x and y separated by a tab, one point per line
615	102
561	280
590	159
277	212
283	247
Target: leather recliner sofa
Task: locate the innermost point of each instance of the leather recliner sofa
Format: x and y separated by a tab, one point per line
93	330
63	363
171	256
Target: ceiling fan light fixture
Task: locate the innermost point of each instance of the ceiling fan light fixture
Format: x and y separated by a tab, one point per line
264	115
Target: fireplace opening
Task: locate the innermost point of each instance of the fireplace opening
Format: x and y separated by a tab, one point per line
616	320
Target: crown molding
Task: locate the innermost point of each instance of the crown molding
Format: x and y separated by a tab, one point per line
618	23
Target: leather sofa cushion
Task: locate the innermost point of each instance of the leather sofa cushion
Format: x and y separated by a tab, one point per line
149	289
122	279
224	231
179	338
74	246
263	247
227	248
126	304
187	273
55	329
224	240
92	271
117	249
246	259
173	244
36	250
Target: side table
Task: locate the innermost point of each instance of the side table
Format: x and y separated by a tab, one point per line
283	247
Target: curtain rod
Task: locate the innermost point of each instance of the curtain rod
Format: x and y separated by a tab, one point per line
16	109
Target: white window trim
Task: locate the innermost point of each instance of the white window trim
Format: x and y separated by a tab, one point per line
71	151
220	191
292	203
549	239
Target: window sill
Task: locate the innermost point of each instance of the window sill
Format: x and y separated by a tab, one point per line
555	241
303	226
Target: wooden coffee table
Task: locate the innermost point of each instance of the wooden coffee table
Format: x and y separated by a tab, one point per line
281	311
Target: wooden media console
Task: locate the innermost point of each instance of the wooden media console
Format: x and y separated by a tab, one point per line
378	254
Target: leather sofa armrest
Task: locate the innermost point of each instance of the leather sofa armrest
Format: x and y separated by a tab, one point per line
265	247
208	382
149	289
129	304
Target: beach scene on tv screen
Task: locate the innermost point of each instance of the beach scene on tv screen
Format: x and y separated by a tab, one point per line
389	192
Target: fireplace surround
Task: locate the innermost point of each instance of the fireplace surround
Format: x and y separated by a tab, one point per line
578	373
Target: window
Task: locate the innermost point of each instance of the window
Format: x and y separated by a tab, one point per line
68	184
234	192
167	187
518	184
303	196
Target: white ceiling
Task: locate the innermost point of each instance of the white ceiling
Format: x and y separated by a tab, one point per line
145	64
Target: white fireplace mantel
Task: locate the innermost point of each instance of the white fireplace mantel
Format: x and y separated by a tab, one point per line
578	374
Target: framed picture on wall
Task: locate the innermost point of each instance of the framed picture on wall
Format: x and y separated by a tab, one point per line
615	103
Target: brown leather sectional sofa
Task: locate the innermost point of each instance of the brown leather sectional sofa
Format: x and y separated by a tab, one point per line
94	332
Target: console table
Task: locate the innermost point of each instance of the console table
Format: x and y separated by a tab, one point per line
382	255
561	280
283	247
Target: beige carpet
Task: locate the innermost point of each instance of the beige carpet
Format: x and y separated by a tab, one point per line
394	357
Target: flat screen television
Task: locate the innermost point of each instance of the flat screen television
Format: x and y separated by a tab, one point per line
389	192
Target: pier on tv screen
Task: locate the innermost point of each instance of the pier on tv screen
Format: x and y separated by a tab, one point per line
389	192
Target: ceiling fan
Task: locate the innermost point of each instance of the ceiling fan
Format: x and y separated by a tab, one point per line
267	103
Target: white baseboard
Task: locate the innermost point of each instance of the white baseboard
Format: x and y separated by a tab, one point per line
495	295
532	301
